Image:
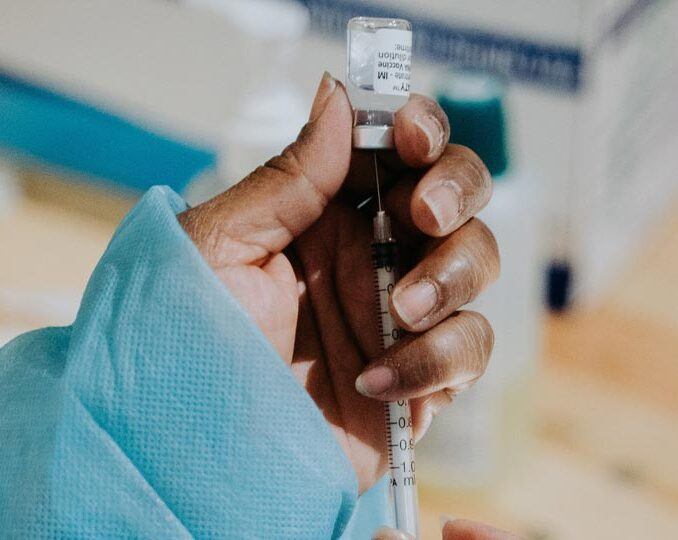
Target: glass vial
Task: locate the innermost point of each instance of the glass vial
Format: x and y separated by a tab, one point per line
379	56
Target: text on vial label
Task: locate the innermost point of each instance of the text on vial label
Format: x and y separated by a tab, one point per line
392	62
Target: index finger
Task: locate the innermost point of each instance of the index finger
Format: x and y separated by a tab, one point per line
421	131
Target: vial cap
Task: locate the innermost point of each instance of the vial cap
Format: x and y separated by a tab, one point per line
373	137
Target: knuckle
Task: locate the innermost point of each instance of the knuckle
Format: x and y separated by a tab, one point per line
420	365
452	355
285	165
290	173
476	174
465	265
305	134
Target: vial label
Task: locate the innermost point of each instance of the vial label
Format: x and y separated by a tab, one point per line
393	58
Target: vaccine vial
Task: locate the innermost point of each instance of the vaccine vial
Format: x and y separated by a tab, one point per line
379	57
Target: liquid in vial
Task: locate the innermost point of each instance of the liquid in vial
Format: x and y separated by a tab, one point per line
378	76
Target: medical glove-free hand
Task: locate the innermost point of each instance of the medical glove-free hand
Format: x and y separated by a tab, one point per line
291	247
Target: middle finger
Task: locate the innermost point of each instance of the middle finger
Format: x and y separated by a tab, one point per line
451	356
452	191
448	277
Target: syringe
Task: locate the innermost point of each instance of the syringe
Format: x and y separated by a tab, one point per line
398	417
378	84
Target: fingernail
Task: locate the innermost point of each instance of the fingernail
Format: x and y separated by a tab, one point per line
445	519
375	381
432	129
443	203
386	533
415	301
326	88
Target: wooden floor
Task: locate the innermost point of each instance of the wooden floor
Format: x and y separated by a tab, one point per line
604	462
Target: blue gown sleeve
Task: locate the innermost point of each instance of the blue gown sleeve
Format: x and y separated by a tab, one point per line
162	411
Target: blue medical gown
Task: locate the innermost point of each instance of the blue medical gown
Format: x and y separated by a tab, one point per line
163	412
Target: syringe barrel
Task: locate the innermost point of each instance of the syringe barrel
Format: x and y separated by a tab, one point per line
398	417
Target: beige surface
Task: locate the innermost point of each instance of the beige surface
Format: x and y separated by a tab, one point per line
48	255
605	460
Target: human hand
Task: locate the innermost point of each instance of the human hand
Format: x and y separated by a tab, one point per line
453	529
291	247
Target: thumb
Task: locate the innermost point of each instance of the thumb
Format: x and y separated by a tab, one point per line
275	203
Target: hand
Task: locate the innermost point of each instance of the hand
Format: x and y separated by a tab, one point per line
453	529
291	247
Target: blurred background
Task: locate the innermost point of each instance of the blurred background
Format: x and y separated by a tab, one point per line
573	431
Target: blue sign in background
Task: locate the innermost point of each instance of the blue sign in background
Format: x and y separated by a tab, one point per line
515	58
59	130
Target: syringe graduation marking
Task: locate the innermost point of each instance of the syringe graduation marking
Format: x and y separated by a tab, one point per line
385	43
397	415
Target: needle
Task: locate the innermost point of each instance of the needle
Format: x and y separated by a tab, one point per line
376	176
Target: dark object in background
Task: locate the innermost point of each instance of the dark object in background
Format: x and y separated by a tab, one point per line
482	127
558	284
